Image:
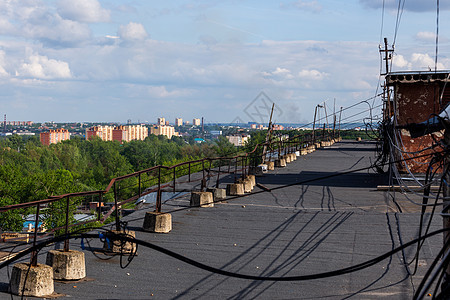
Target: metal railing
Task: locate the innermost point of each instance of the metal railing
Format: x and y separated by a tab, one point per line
160	177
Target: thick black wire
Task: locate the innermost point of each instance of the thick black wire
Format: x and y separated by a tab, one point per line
205	267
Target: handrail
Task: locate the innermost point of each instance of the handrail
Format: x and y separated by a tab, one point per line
276	144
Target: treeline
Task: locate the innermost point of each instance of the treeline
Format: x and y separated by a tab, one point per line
30	171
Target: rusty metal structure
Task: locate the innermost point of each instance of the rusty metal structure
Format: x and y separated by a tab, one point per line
414	97
129	188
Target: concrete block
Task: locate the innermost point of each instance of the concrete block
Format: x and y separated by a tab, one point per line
270	165
235	189
293	157
358	139
287	158
39	280
297	153
114	244
217	193
157	222
247	184
202	199
252	179
280	163
67	265
318	145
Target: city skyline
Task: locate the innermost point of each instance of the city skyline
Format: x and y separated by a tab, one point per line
109	61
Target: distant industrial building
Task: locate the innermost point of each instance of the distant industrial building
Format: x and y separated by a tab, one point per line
216	132
119	133
54	136
196	122
238	139
178	122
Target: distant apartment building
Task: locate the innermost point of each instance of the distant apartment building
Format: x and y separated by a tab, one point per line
196	122
161	121
103	132
278	127
19	123
178	122
166	130
54	136
238	139
119	133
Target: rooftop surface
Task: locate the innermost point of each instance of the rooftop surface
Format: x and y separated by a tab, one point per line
299	229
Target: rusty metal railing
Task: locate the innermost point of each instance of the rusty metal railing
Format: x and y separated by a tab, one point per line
157	181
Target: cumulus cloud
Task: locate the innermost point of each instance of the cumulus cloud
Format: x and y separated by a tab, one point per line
41	67
132	31
312	74
88	11
34	20
162	92
3	72
411	5
417	62
312	6
400	62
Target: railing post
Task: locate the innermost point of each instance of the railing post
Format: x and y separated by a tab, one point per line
235	170
218	175
117	207
99	208
158	195
139	185
66	240
174	178
33	259
203	174
189	171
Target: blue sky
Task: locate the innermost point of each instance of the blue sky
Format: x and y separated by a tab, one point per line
92	60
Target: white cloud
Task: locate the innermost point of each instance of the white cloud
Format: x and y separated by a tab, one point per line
41	67
400	62
3	72
426	36
162	92
312	74
34	20
312	6
132	31
418	62
88	11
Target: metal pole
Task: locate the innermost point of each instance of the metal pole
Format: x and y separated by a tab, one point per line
139	185
189	171
100	201
314	126
158	195
33	259
174	178
218	175
446	206
203	174
117	208
66	240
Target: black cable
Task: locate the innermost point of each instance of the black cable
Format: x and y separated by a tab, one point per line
205	267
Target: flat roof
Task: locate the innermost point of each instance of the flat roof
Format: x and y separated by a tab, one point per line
295	229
